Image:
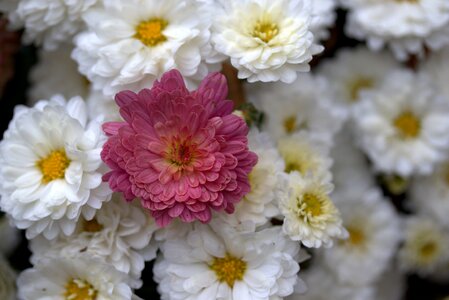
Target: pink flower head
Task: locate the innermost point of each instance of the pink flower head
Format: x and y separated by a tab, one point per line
182	153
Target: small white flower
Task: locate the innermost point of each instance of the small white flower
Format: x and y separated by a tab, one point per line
131	44
323	285
425	246
56	73
305	105
323	17
403	125
77	278
374	234
309	214
303	155
48	22
407	27
429	195
266	40
218	263
51	167
355	70
7	280
119	234
259	205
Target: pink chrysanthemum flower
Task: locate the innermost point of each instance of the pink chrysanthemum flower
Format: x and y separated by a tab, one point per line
182	153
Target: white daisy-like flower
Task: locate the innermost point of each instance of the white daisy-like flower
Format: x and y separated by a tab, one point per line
259	205
78	278
425	246
50	167
48	22
130	45
350	169
354	70
7	280
266	40
403	125
321	283
219	263
374	235
104	106
323	17
308	212
437	66
429	195
307	157
407	27
305	105
9	235
119	234
56	73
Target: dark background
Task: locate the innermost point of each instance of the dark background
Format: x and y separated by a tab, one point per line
15	93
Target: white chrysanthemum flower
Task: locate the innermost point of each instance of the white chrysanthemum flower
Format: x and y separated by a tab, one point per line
77	278
429	195
374	234
219	263
50	167
259	205
7	280
407	27
56	73
129	46
9	236
321	283
350	169
323	17
354	70
303	155
403	125
309	214
119	234
266	40
304	105
437	66
104	106
48	22
425	246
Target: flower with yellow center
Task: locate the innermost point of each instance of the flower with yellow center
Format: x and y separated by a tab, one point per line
357	85
228	269
408	125
309	214
78	289
303	155
425	246
151	32
53	166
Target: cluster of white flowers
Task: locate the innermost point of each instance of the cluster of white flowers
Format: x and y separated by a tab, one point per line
339	138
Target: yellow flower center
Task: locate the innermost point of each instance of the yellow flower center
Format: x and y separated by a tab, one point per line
290	124
150	32
77	289
313	204
428	249
92	226
228	269
357	85
53	166
356	236
408	125
265	30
